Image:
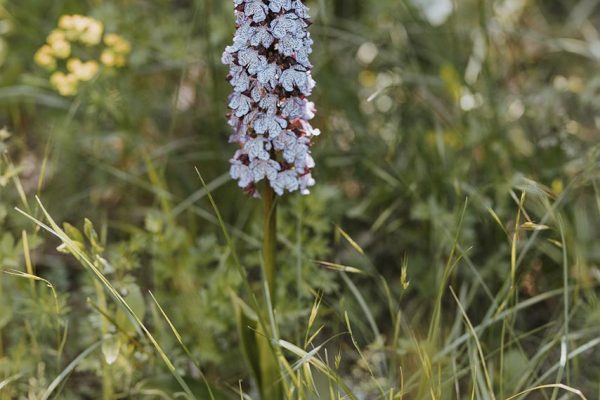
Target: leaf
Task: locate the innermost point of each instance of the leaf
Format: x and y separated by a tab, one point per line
73	233
92	236
6	314
246	323
110	348
68	370
76	237
515	366
133	295
24	92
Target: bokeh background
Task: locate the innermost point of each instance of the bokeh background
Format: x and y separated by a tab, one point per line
459	149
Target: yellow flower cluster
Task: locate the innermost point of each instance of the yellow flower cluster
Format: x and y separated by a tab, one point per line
87	32
81	28
116	51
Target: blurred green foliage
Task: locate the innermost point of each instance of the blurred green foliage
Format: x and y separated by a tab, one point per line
422	104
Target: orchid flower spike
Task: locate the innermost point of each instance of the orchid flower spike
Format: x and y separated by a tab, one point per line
271	78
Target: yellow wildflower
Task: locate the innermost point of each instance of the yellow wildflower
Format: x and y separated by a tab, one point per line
66	84
92	35
44	57
112	59
108	58
117	43
61	48
84	71
80	23
66	22
56	36
110	39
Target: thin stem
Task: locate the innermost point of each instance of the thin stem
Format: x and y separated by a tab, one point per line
107	386
270	387
270	238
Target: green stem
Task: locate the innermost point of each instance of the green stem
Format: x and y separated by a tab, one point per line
270	387
107	386
270	238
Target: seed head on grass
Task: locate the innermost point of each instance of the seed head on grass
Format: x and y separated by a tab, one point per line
271	78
